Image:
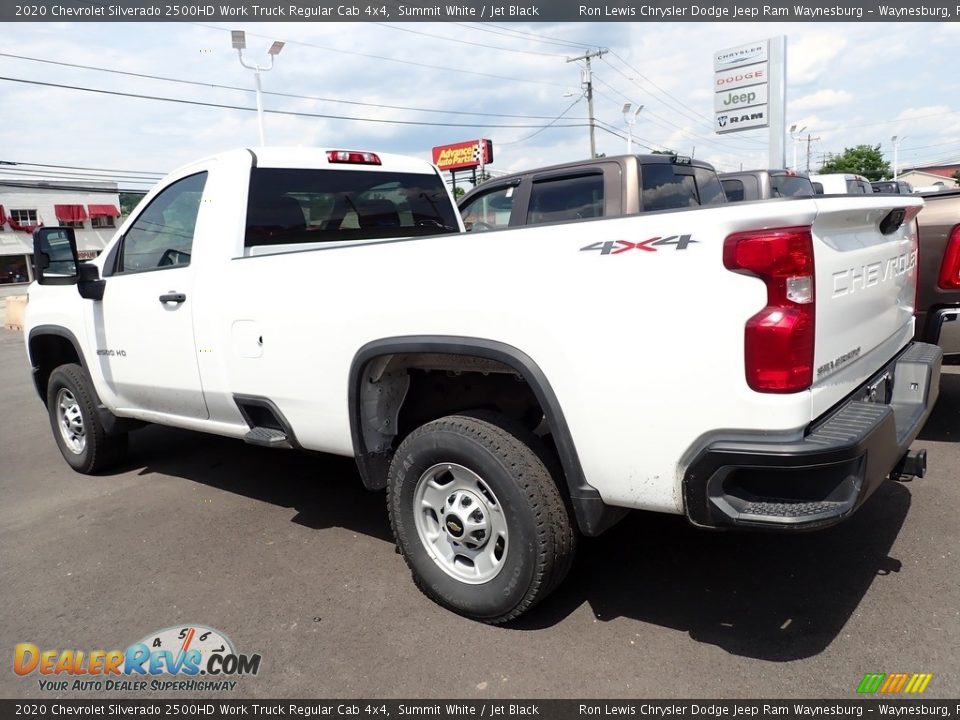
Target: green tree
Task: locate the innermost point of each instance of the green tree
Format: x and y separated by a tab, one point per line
861	160
956	176
128	201
458	192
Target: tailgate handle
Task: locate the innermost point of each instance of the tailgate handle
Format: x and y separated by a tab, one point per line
892	222
173	298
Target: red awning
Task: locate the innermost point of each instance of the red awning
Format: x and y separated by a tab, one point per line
103	211
70	213
14	225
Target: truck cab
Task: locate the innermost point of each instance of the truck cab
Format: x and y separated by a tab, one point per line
587	189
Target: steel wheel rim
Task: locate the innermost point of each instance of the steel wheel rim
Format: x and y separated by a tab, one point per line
460	523
70	421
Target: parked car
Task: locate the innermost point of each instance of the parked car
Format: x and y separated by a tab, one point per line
510	387
765	184
605	187
841	184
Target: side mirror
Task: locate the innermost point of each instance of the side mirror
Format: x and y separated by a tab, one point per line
55	263
55	256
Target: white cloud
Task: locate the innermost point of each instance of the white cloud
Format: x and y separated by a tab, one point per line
667	68
821	99
812	55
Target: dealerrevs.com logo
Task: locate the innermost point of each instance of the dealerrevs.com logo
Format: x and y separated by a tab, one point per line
183	658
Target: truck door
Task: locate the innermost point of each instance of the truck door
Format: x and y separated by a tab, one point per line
143	328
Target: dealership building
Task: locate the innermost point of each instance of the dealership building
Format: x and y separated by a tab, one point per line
91	208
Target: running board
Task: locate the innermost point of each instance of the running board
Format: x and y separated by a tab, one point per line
268	437
268	427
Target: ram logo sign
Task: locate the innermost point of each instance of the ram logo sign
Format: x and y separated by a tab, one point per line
749	118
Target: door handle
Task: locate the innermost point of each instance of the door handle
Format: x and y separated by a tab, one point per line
173	298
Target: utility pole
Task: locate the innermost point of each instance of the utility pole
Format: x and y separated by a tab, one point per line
586	83
810	140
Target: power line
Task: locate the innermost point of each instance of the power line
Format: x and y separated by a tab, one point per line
66	174
4	182
522	35
277	94
664	123
292	113
387	59
683	108
524	139
75	167
465	42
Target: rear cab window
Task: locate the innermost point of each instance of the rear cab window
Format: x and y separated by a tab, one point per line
733	190
783	186
666	186
299	206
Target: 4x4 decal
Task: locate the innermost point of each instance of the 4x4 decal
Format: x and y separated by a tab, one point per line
615	247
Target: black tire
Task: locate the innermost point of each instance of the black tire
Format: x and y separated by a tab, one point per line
539	537
100	450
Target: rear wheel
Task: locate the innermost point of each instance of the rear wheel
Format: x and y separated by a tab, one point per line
72	407
478	518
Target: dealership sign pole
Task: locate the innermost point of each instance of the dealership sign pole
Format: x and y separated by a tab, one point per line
749	84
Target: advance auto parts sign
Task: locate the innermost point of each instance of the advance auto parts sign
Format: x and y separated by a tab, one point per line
464	155
740	77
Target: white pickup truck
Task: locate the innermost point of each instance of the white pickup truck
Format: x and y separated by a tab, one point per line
747	365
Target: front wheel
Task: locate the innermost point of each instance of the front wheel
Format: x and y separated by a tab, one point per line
72	406
478	518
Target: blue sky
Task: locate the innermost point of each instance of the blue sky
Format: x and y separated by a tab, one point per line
848	83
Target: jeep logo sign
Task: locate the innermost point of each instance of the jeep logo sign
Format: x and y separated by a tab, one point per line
734	99
755	117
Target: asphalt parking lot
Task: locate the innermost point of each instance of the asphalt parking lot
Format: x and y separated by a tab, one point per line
291	558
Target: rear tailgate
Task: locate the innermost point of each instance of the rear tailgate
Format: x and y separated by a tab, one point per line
866	277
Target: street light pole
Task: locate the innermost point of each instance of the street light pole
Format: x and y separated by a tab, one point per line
630	120
896	140
794	133
238	39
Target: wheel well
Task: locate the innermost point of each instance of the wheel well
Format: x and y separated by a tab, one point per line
47	352
399	383
402	392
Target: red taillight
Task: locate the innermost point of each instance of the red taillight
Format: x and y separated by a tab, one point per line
778	340
353	157
950	269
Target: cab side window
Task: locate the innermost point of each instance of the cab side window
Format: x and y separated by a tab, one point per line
568	198
489	211
162	236
734	190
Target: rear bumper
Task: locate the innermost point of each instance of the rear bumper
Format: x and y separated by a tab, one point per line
941	326
823	477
